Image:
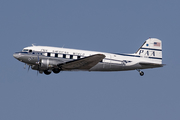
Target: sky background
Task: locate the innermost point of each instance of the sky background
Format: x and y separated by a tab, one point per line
119	26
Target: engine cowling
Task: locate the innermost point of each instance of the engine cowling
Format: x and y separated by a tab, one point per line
48	63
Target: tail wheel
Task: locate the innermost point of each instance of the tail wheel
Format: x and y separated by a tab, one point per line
141	73
47	72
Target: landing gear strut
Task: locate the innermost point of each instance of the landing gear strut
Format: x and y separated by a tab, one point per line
140	72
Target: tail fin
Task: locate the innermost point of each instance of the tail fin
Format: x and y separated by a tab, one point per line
152	48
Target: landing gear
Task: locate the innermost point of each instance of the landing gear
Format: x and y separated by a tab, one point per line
47	72
140	72
56	70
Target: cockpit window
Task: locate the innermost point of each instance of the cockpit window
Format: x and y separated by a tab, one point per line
30	50
25	50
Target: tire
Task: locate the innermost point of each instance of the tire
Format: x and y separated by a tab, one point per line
141	73
47	72
56	70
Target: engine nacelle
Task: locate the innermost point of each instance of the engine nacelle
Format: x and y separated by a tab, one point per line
48	63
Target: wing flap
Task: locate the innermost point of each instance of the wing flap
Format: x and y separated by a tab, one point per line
83	63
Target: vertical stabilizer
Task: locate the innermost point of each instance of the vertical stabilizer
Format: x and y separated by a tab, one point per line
152	48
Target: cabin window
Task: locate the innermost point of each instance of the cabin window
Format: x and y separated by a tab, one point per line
60	55
64	55
78	57
56	55
71	56
30	50
48	54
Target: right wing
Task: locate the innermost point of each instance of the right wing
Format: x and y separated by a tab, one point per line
82	63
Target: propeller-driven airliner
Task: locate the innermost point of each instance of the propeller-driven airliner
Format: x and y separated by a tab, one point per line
46	59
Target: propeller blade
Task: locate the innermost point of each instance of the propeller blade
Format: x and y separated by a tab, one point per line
38	64
25	66
38	58
28	68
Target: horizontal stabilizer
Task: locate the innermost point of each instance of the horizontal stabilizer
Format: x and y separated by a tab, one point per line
151	65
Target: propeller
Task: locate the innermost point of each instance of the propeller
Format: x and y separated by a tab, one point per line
25	66
38	63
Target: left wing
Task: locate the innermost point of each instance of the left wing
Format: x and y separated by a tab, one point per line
82	63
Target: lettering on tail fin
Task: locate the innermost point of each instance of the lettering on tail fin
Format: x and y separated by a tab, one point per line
152	50
141	51
152	47
153	53
147	53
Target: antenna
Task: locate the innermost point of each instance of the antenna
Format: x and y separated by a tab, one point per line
33	44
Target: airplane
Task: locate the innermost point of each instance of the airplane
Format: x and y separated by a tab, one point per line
46	59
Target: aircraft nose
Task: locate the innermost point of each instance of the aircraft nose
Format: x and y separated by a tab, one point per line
16	55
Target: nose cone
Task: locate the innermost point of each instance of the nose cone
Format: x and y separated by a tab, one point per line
16	55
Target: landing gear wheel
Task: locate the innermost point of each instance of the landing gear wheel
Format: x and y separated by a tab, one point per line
47	72
56	70
141	73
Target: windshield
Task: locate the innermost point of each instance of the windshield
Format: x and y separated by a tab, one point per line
25	50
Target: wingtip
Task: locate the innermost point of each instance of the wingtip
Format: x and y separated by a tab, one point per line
102	55
163	65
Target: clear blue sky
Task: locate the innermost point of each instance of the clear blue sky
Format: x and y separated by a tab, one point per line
101	25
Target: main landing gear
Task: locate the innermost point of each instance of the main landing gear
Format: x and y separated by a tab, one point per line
47	72
55	70
140	72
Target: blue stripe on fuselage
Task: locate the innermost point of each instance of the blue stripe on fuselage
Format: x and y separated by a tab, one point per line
136	56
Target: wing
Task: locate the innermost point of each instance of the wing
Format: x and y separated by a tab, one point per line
150	65
83	63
